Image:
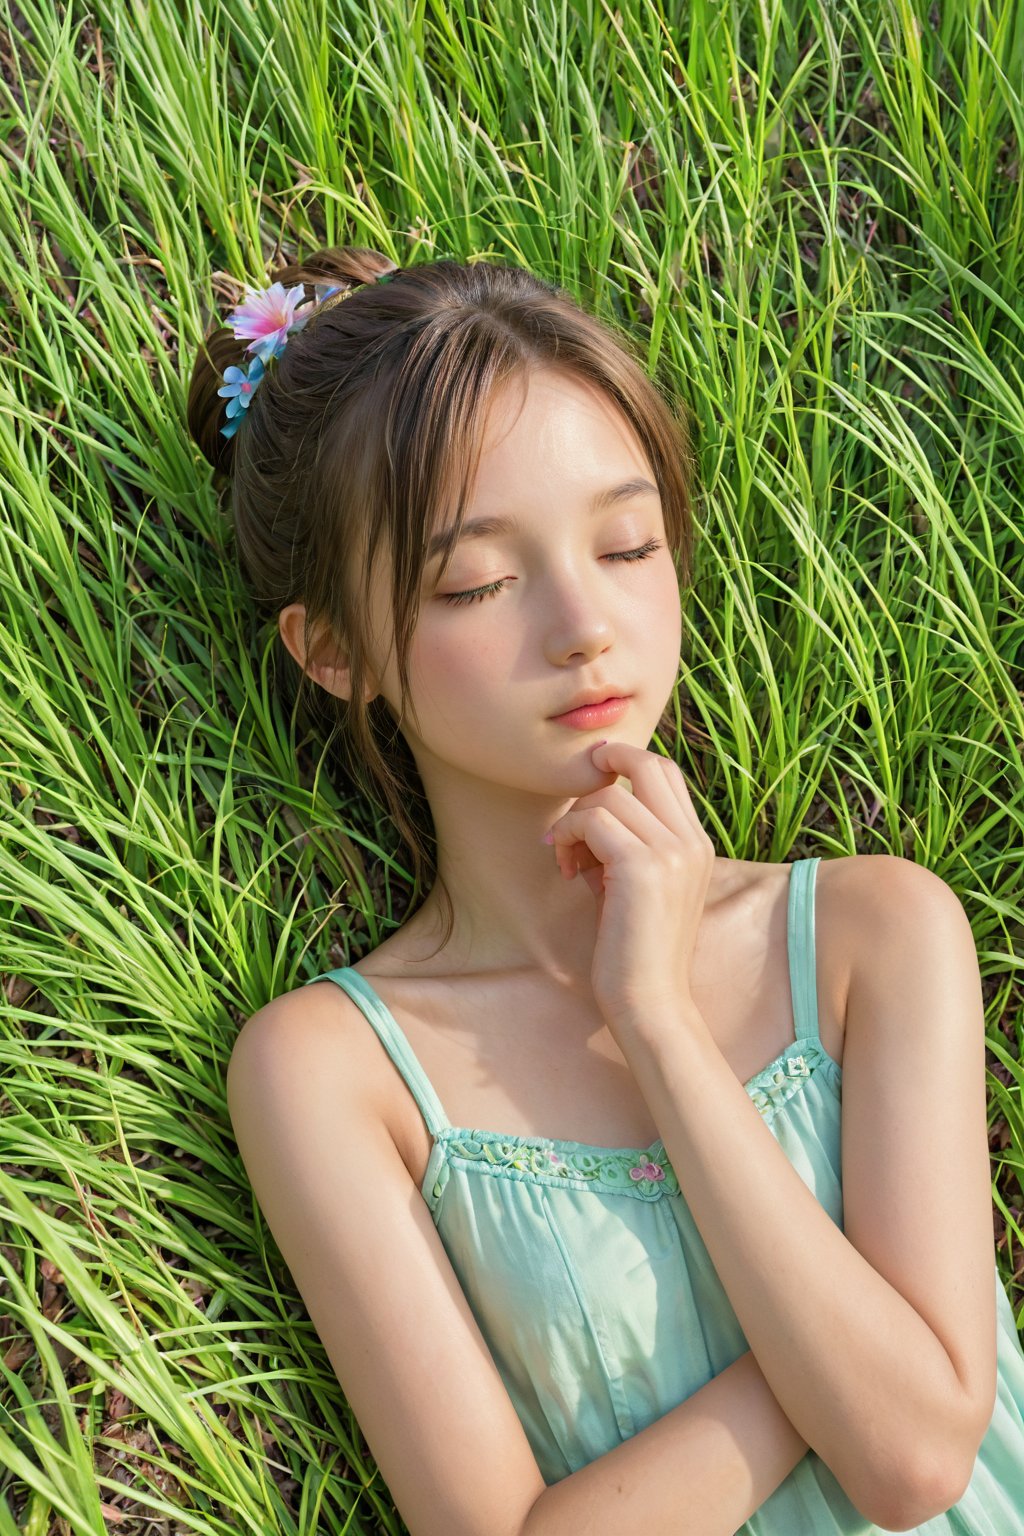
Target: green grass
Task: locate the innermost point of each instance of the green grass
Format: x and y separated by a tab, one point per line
813	218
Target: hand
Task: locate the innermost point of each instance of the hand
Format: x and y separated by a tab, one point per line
648	861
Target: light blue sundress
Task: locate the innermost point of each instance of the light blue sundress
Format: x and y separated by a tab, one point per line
591	1284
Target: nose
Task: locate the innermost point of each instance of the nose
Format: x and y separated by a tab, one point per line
580	622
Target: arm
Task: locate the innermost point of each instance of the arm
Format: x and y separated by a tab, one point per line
877	1341
395	1324
701	1470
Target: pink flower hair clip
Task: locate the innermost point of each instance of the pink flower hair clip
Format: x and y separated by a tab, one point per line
265	319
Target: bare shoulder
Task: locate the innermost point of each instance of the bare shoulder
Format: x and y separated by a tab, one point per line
874	889
880	899
860	900
314	1028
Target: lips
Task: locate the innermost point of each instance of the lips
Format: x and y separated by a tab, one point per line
588	717
594	696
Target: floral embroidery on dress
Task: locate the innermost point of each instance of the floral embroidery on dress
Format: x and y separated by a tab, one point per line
647	1171
621	1171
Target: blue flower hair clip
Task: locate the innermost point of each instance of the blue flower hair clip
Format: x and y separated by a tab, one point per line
266	318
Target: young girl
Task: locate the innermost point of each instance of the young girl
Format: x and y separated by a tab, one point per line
601	1177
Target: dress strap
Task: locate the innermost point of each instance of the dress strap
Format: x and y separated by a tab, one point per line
393	1041
800	943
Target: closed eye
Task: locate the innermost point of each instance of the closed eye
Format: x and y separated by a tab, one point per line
496	586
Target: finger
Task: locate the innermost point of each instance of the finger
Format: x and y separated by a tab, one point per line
600	831
646	825
657	782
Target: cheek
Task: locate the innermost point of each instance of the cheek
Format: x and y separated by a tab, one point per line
664	620
655	604
450	665
670	604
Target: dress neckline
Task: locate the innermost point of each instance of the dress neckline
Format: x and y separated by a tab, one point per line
812	1054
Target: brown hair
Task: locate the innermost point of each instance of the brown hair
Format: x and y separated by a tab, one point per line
360	432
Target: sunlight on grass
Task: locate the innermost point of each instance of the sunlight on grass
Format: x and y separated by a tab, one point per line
813	218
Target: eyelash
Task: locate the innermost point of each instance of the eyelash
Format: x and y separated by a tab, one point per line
495	587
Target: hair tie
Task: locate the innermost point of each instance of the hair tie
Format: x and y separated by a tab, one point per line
266	318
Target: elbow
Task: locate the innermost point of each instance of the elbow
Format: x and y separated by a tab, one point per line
945	1487
901	1489
909	1501
941	1476
915	1507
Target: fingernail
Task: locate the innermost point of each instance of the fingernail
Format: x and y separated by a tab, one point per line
548	838
602	743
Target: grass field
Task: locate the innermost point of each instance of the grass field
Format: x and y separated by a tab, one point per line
812	218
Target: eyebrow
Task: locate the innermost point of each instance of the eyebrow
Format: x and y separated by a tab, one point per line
481	527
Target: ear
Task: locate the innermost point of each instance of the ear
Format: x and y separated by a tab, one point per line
327	661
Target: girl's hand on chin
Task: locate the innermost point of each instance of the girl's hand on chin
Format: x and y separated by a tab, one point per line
648	861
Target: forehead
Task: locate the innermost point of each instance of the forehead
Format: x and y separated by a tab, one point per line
548	430
542	408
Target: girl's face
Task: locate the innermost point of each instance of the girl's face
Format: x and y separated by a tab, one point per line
563	613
